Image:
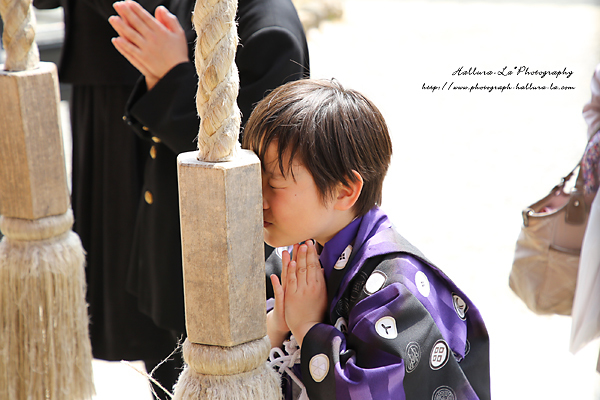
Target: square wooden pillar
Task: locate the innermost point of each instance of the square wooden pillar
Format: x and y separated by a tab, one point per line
223	253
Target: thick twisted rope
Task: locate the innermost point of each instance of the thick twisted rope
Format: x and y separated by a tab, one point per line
218	81
18	37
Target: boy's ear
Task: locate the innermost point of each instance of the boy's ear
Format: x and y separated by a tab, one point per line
347	196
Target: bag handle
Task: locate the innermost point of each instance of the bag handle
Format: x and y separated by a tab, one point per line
577	209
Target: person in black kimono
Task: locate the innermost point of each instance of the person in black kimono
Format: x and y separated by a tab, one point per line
125	185
162	111
108	163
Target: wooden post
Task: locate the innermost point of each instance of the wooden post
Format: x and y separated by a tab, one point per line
45	351
220	196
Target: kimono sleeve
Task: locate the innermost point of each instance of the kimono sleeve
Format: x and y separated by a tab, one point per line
168	111
392	350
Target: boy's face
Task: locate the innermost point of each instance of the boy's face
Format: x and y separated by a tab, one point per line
292	208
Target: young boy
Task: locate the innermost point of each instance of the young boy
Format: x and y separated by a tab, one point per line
374	319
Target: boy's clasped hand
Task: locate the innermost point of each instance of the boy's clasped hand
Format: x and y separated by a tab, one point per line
301	297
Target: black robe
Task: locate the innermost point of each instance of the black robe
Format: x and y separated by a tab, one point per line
113	167
108	162
272	51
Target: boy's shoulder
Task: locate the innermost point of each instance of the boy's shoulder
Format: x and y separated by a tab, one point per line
408	267
390	254
399	303
403	263
401	275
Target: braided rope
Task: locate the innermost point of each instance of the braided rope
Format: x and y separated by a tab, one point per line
218	80
18	37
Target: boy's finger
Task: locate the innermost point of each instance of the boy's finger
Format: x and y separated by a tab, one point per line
285	261
301	272
277	289
313	266
295	252
292	283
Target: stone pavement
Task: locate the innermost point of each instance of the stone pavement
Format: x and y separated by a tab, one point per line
466	163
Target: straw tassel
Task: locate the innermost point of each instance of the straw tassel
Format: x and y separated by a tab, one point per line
228	373
45	351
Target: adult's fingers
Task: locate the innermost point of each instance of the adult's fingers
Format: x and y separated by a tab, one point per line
126	31
130	52
138	18
168	19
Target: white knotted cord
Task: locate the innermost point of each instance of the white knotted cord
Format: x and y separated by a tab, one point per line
284	360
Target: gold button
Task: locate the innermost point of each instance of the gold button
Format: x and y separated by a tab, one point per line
124	117
145	128
148	197
153	151
155	139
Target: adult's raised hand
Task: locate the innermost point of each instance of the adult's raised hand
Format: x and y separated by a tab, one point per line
154	45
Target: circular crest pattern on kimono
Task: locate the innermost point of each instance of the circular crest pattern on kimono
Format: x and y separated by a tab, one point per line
386	327
422	283
443	393
460	306
413	356
439	355
375	282
319	366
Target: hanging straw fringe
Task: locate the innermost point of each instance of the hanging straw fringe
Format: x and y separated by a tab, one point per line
150	375
42	303
228	373
18	37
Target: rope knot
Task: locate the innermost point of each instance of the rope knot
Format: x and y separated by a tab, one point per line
283	360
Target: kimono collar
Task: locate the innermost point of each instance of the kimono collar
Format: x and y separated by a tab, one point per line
368	239
368	243
336	246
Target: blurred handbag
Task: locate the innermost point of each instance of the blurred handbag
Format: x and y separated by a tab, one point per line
544	271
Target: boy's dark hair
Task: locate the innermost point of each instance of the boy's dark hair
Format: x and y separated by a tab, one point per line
330	130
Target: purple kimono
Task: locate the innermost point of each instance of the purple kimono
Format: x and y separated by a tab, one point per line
396	327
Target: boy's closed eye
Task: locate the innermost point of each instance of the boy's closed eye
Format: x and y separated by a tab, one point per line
277	181
276	186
